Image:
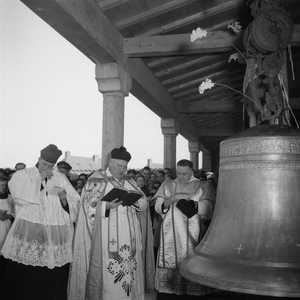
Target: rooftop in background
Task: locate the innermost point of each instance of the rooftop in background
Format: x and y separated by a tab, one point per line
153	165
82	164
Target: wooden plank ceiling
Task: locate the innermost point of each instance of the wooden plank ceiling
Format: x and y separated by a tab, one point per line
150	39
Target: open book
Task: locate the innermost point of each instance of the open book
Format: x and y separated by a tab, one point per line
128	197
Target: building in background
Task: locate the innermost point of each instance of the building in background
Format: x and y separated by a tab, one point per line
81	164
153	165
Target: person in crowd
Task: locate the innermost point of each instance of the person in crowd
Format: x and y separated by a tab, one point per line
168	173
65	168
214	180
10	174
130	174
155	218
38	247
208	174
146	172
147	235
84	177
3	172
108	262
201	175
152	191
7	213
20	166
140	180
160	176
153	177
183	205
79	185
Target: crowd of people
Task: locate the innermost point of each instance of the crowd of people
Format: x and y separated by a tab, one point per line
59	240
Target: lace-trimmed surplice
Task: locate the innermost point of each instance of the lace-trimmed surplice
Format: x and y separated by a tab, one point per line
42	232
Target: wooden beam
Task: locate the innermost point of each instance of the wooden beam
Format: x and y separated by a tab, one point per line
225	120
228	105
207	13
217	132
192	93
181	66
197	81
198	72
179	44
109	4
153	62
151	13
205	145
210	106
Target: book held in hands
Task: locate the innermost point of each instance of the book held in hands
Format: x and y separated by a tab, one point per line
126	196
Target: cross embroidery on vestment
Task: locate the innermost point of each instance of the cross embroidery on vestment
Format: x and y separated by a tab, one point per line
113	241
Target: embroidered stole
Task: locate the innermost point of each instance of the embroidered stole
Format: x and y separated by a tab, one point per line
94	286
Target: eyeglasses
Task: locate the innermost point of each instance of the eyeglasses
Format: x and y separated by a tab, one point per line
46	165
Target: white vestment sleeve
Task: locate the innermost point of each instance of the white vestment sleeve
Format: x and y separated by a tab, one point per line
25	187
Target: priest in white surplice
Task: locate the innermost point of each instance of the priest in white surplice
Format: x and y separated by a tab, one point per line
107	245
39	245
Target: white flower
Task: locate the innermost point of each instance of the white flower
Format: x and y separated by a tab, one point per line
207	84
198	34
236	27
234	56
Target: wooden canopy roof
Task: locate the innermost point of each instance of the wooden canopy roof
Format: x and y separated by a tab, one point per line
150	39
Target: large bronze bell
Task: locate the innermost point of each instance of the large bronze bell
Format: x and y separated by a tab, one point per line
253	243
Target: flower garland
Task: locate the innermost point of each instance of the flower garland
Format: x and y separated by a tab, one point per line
199	33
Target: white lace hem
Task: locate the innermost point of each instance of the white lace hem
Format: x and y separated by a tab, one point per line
35	254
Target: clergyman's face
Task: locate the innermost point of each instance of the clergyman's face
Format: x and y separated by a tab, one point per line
118	167
184	174
45	166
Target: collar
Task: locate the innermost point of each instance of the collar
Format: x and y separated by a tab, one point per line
113	178
193	178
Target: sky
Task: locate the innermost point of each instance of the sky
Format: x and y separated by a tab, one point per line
49	95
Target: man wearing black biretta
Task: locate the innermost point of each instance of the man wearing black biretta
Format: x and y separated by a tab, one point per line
115	239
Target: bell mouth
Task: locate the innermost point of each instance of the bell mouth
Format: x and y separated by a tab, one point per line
237	277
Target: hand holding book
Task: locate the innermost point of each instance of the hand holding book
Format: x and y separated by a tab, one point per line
113	204
126	196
